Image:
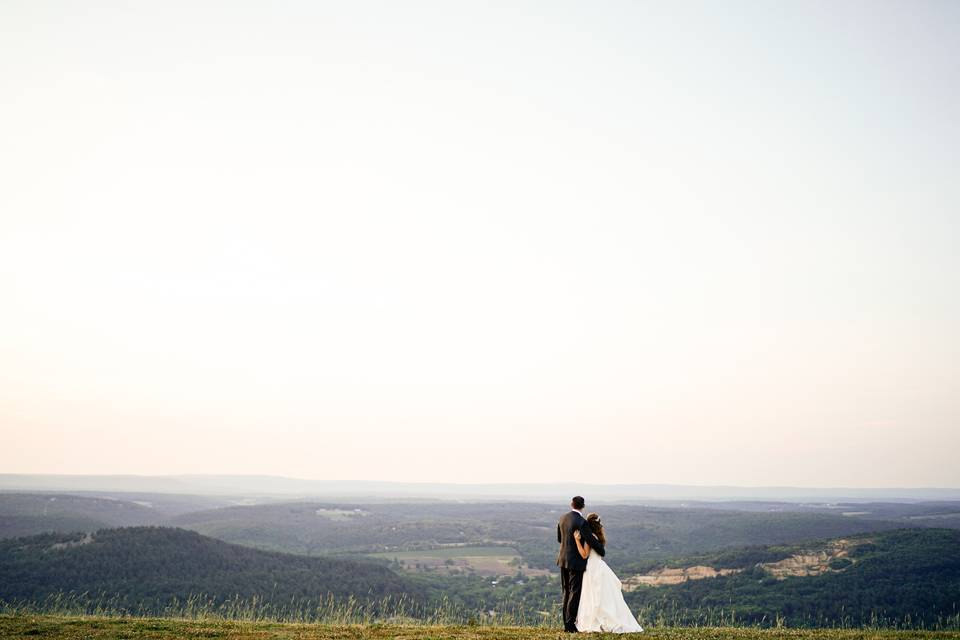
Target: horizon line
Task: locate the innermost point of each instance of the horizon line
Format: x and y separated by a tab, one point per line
479	484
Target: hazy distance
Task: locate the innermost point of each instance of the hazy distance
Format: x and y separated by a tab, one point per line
253	488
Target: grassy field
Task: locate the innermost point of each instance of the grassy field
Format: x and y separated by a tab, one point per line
486	561
77	628
448	552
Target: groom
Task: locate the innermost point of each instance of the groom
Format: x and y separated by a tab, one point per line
571	564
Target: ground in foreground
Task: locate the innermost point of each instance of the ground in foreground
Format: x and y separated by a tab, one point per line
45	626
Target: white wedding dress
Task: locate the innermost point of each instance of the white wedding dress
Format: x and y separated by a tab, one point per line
602	607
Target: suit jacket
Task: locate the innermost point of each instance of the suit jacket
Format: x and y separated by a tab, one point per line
569	556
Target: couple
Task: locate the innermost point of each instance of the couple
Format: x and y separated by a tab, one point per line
592	593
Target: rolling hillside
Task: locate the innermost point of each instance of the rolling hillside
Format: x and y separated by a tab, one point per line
903	576
147	567
24	514
638	534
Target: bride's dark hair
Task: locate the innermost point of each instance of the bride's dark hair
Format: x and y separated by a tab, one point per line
597	527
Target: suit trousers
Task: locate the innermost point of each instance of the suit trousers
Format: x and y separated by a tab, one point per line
572	582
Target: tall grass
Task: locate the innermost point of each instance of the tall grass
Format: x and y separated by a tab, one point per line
326	610
729	617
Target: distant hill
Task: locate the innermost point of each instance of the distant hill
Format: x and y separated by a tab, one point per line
937	514
24	514
147	567
637	533
262	485
908	576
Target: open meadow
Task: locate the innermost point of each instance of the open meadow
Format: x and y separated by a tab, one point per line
456	559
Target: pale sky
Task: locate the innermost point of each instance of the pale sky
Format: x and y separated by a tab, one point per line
680	242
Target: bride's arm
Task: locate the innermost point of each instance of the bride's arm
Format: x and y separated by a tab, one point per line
582	546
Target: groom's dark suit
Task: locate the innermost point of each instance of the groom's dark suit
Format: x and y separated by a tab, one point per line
571	564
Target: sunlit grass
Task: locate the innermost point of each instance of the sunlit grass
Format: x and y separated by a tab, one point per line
332	611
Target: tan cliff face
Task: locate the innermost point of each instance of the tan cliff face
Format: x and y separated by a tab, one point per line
667	576
812	563
805	563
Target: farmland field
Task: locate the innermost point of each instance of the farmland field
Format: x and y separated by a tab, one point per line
484	560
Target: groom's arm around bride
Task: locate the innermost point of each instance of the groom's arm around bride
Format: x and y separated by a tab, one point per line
587	535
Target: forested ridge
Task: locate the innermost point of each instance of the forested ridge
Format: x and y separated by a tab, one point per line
157	564
909	575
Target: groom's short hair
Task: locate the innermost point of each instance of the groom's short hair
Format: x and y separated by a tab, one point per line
577	502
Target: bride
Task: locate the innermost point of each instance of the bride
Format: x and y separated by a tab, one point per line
602	607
